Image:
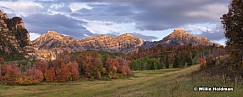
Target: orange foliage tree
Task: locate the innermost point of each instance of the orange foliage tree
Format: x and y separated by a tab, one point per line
30	76
62	73
50	74
111	67
73	70
202	62
35	75
117	67
12	73
91	64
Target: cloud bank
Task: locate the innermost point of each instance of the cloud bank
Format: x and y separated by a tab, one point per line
91	17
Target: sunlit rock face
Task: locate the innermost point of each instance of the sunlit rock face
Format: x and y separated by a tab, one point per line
13	34
180	37
52	40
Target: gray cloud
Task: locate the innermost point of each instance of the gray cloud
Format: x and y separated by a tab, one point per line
40	23
215	35
146	14
144	37
161	15
114	12
212	35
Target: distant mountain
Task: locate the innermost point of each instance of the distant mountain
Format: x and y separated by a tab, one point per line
54	41
13	35
181	37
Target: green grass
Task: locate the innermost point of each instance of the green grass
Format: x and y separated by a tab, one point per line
147	83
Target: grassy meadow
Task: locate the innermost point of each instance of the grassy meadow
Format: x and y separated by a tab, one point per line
146	83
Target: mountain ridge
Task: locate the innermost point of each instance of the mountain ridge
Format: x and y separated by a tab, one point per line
121	43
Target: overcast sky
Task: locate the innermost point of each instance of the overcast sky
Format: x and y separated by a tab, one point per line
148	19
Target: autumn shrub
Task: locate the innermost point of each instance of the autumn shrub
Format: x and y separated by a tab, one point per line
126	71
50	75
24	80
12	73
91	65
117	67
202	62
62	73
123	66
35	75
73	66
111	67
30	76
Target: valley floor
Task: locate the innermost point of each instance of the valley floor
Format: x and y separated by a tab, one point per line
148	83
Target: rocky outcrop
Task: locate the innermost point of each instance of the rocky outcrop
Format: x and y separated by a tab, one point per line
54	41
13	35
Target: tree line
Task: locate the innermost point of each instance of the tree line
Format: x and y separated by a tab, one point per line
160	56
68	67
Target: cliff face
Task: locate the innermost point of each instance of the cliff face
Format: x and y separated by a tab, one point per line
53	41
13	35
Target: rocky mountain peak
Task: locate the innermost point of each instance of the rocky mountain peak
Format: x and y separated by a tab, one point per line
179	29
103	36
126	35
52	33
178	32
180	37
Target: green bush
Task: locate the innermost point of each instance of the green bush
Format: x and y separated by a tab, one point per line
146	64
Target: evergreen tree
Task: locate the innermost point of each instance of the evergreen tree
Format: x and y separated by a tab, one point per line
167	63
189	61
176	62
